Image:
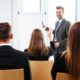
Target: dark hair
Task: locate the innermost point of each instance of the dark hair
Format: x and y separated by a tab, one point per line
37	45
5	29
73	54
60	7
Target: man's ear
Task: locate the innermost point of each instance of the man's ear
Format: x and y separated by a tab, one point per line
11	36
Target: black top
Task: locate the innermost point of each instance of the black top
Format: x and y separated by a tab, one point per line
11	58
39	57
59	66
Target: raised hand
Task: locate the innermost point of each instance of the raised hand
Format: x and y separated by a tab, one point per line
45	27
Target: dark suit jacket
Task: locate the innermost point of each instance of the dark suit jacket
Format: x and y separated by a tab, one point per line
14	59
62	34
38	56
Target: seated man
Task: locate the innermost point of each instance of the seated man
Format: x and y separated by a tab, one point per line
11	58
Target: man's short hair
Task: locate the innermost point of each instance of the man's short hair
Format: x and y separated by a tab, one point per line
5	30
60	7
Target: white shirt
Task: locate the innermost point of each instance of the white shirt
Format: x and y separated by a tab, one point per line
60	21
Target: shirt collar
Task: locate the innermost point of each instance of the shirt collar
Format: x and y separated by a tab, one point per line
60	20
3	44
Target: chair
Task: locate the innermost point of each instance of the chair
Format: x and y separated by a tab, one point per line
65	76
41	70
62	76
13	74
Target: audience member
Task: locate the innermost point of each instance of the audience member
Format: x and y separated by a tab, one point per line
11	58
70	61
37	49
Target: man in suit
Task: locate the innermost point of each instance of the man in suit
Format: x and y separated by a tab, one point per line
11	58
60	33
59	43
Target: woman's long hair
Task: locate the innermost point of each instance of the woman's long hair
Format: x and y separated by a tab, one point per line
37	45
73	54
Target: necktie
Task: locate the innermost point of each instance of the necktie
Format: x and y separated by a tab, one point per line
57	26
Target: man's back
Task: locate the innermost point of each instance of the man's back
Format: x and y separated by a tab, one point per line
14	59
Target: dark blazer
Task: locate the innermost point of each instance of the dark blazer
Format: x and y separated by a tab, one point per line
39	57
59	66
11	58
62	34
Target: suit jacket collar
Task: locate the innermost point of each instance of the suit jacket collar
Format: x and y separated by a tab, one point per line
5	47
61	24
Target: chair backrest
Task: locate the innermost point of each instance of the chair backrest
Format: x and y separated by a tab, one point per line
12	74
65	76
41	70
62	76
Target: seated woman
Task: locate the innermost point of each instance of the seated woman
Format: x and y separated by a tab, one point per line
37	49
70	61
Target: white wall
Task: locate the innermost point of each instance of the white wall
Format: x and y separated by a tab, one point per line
78	10
69	10
6	11
24	23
